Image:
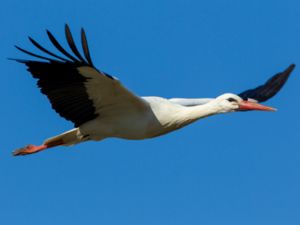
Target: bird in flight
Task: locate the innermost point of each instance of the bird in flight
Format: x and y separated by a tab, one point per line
101	107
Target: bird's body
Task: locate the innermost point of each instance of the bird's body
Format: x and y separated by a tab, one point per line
158	117
101	107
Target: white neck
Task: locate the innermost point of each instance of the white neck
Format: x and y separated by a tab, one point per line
194	113
170	116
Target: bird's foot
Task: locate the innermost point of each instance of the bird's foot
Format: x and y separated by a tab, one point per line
29	149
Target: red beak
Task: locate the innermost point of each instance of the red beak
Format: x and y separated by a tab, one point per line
248	105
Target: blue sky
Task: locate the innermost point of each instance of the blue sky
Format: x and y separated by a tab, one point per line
233	169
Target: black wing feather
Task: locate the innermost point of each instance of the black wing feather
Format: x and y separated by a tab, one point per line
45	50
270	88
71	43
59	47
32	54
85	47
60	80
65	89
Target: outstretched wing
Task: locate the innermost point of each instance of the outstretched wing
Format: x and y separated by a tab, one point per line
270	88
76	89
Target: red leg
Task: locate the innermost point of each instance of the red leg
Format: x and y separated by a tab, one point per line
30	149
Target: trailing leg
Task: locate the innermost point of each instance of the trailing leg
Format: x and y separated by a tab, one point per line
65	139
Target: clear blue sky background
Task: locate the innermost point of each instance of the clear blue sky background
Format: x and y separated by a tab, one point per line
235	169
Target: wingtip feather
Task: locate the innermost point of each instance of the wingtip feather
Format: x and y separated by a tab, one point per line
85	47
291	68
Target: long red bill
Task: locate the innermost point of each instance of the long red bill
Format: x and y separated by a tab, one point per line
248	105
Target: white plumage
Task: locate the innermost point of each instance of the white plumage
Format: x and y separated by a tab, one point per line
101	107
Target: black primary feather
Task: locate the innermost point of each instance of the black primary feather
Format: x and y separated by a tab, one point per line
71	43
270	88
45	50
32	54
59	78
65	89
59	47
85	47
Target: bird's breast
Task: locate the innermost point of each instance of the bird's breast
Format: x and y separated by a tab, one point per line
133	127
162	117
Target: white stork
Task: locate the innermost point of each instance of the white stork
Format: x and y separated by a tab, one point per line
101	107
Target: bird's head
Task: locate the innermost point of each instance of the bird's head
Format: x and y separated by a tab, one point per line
233	103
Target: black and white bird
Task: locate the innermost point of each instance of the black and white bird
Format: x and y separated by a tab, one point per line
101	107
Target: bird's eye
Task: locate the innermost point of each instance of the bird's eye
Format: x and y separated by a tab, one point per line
231	100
